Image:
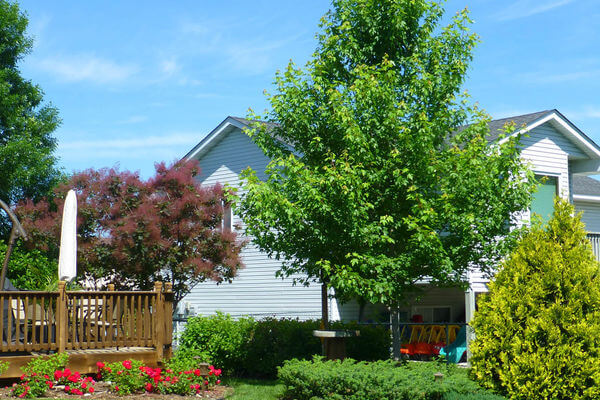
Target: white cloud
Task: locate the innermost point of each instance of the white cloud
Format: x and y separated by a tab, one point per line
87	68
588	112
37	27
169	67
134	119
528	8
126	147
561	77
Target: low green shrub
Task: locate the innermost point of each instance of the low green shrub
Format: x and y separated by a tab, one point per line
221	337
373	344
273	341
473	396
352	380
251	348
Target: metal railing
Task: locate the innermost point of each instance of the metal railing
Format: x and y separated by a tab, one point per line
594	239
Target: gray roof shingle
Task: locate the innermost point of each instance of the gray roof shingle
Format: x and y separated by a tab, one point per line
586	185
497	125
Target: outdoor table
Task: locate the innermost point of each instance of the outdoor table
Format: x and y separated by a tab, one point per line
335	342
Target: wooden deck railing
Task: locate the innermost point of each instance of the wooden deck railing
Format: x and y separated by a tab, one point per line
73	320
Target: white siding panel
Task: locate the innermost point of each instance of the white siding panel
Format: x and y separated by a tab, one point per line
255	291
547	151
591	215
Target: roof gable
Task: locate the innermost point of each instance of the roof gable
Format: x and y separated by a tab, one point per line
226	126
527	122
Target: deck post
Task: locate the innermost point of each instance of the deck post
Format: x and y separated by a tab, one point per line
110	315
168	337
396	339
469	311
61	314
159	329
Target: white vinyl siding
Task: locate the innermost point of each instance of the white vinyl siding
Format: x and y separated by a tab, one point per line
591	215
547	152
255	291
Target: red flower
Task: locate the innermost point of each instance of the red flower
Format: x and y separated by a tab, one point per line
117	388
197	372
66	372
100	364
148	387
127	364
67	388
217	372
218	381
91	390
205	383
57	375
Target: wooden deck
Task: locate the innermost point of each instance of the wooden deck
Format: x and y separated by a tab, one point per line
90	326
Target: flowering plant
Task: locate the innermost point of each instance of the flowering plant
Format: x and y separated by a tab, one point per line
133	377
38	376
124	377
73	381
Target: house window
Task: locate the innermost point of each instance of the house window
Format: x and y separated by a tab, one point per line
543	199
434	313
227	222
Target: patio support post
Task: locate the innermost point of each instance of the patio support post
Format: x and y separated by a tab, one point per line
61	316
395	333
324	316
159	315
168	298
469	312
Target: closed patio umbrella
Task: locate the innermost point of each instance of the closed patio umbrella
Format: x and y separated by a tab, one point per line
67	258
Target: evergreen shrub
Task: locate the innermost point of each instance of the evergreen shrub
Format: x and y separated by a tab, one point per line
538	329
255	348
352	380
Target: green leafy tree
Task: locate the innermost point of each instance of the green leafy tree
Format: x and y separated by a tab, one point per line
27	161
30	269
538	329
382	174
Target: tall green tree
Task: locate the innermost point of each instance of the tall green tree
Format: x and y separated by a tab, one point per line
537	332
382	174
27	146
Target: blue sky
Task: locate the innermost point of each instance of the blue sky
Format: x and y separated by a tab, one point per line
138	84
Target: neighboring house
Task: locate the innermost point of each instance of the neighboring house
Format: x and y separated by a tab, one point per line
554	147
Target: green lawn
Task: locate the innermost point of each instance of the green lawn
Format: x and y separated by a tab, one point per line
254	389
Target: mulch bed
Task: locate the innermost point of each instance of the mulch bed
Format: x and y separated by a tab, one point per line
102	393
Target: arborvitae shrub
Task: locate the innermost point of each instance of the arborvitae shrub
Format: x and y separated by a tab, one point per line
538	328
